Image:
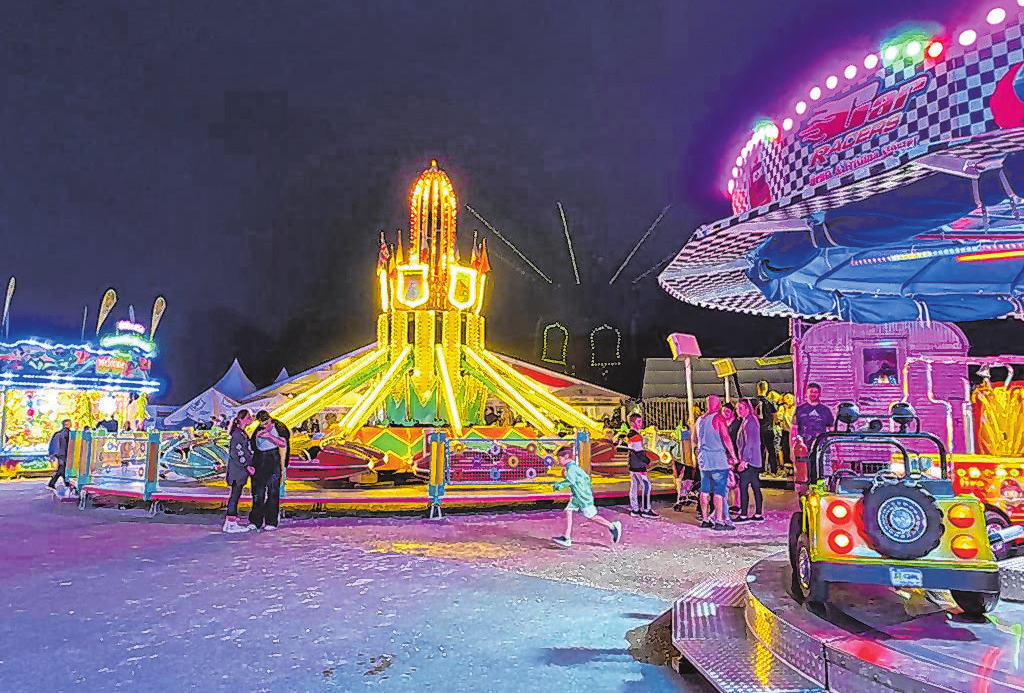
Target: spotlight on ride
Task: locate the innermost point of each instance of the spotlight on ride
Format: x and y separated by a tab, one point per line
903	414
848	414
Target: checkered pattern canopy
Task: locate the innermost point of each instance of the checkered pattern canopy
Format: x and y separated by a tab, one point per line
946	129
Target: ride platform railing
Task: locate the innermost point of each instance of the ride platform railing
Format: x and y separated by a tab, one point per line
98	457
494	465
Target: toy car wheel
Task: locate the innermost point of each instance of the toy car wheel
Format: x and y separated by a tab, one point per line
994	521
796	527
807	586
901	520
975	604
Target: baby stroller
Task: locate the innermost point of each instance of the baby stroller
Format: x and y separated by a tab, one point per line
687	484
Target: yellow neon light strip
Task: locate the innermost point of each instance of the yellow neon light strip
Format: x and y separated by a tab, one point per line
480	295
327	384
449	392
452	282
545	397
998	255
291	411
383	291
547	426
358	412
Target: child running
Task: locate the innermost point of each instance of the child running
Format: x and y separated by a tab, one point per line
582	500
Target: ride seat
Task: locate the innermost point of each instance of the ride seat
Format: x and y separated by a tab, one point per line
851	484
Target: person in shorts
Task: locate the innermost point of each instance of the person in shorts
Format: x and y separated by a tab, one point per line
582	499
715	452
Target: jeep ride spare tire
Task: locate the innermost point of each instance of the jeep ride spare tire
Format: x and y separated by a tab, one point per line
901	520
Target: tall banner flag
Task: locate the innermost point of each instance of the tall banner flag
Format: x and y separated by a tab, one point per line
107	305
6	322
159	306
85	318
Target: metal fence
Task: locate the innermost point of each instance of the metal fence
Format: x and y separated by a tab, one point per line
664	412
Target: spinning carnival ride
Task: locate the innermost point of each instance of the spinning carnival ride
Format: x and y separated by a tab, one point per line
429	367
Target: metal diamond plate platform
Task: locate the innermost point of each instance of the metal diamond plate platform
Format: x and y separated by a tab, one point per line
740	666
1011	579
868	639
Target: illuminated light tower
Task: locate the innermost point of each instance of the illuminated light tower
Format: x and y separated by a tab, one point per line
430	365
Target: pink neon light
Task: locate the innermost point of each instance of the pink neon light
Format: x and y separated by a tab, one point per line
968	37
850	72
815	93
871	61
801	107
832	82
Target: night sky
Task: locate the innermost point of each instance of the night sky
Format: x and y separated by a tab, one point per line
239	158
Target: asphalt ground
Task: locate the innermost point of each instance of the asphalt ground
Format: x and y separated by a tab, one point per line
108	598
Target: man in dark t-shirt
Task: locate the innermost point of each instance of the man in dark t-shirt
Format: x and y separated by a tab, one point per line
812	418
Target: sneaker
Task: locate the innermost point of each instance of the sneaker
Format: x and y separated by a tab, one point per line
649	513
228	526
678	507
636	513
707	524
616	530
734	509
269	528
236	528
758	517
564	541
741	518
723	527
251	527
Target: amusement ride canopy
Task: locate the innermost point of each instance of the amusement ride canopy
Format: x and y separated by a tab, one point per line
887	194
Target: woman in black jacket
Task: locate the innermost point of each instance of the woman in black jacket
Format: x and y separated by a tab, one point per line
240	468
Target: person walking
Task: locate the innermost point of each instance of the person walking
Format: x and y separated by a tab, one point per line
240	468
639	481
266	482
58	451
714	453
581	500
749	451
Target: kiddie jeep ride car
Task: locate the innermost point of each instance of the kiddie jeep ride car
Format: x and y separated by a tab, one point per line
878	511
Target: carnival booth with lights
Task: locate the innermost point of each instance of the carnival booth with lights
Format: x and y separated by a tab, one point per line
105	384
877	209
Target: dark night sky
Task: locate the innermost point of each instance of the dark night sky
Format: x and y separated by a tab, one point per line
240	157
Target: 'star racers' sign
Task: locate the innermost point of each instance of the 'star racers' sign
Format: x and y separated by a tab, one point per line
857	117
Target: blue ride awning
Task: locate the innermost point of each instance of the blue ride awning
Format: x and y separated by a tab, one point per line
893	257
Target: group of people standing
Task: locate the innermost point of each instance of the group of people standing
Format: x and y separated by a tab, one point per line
735	443
261	457
725	456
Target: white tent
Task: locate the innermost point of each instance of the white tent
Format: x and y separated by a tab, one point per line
282	376
219	400
235	383
208	406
